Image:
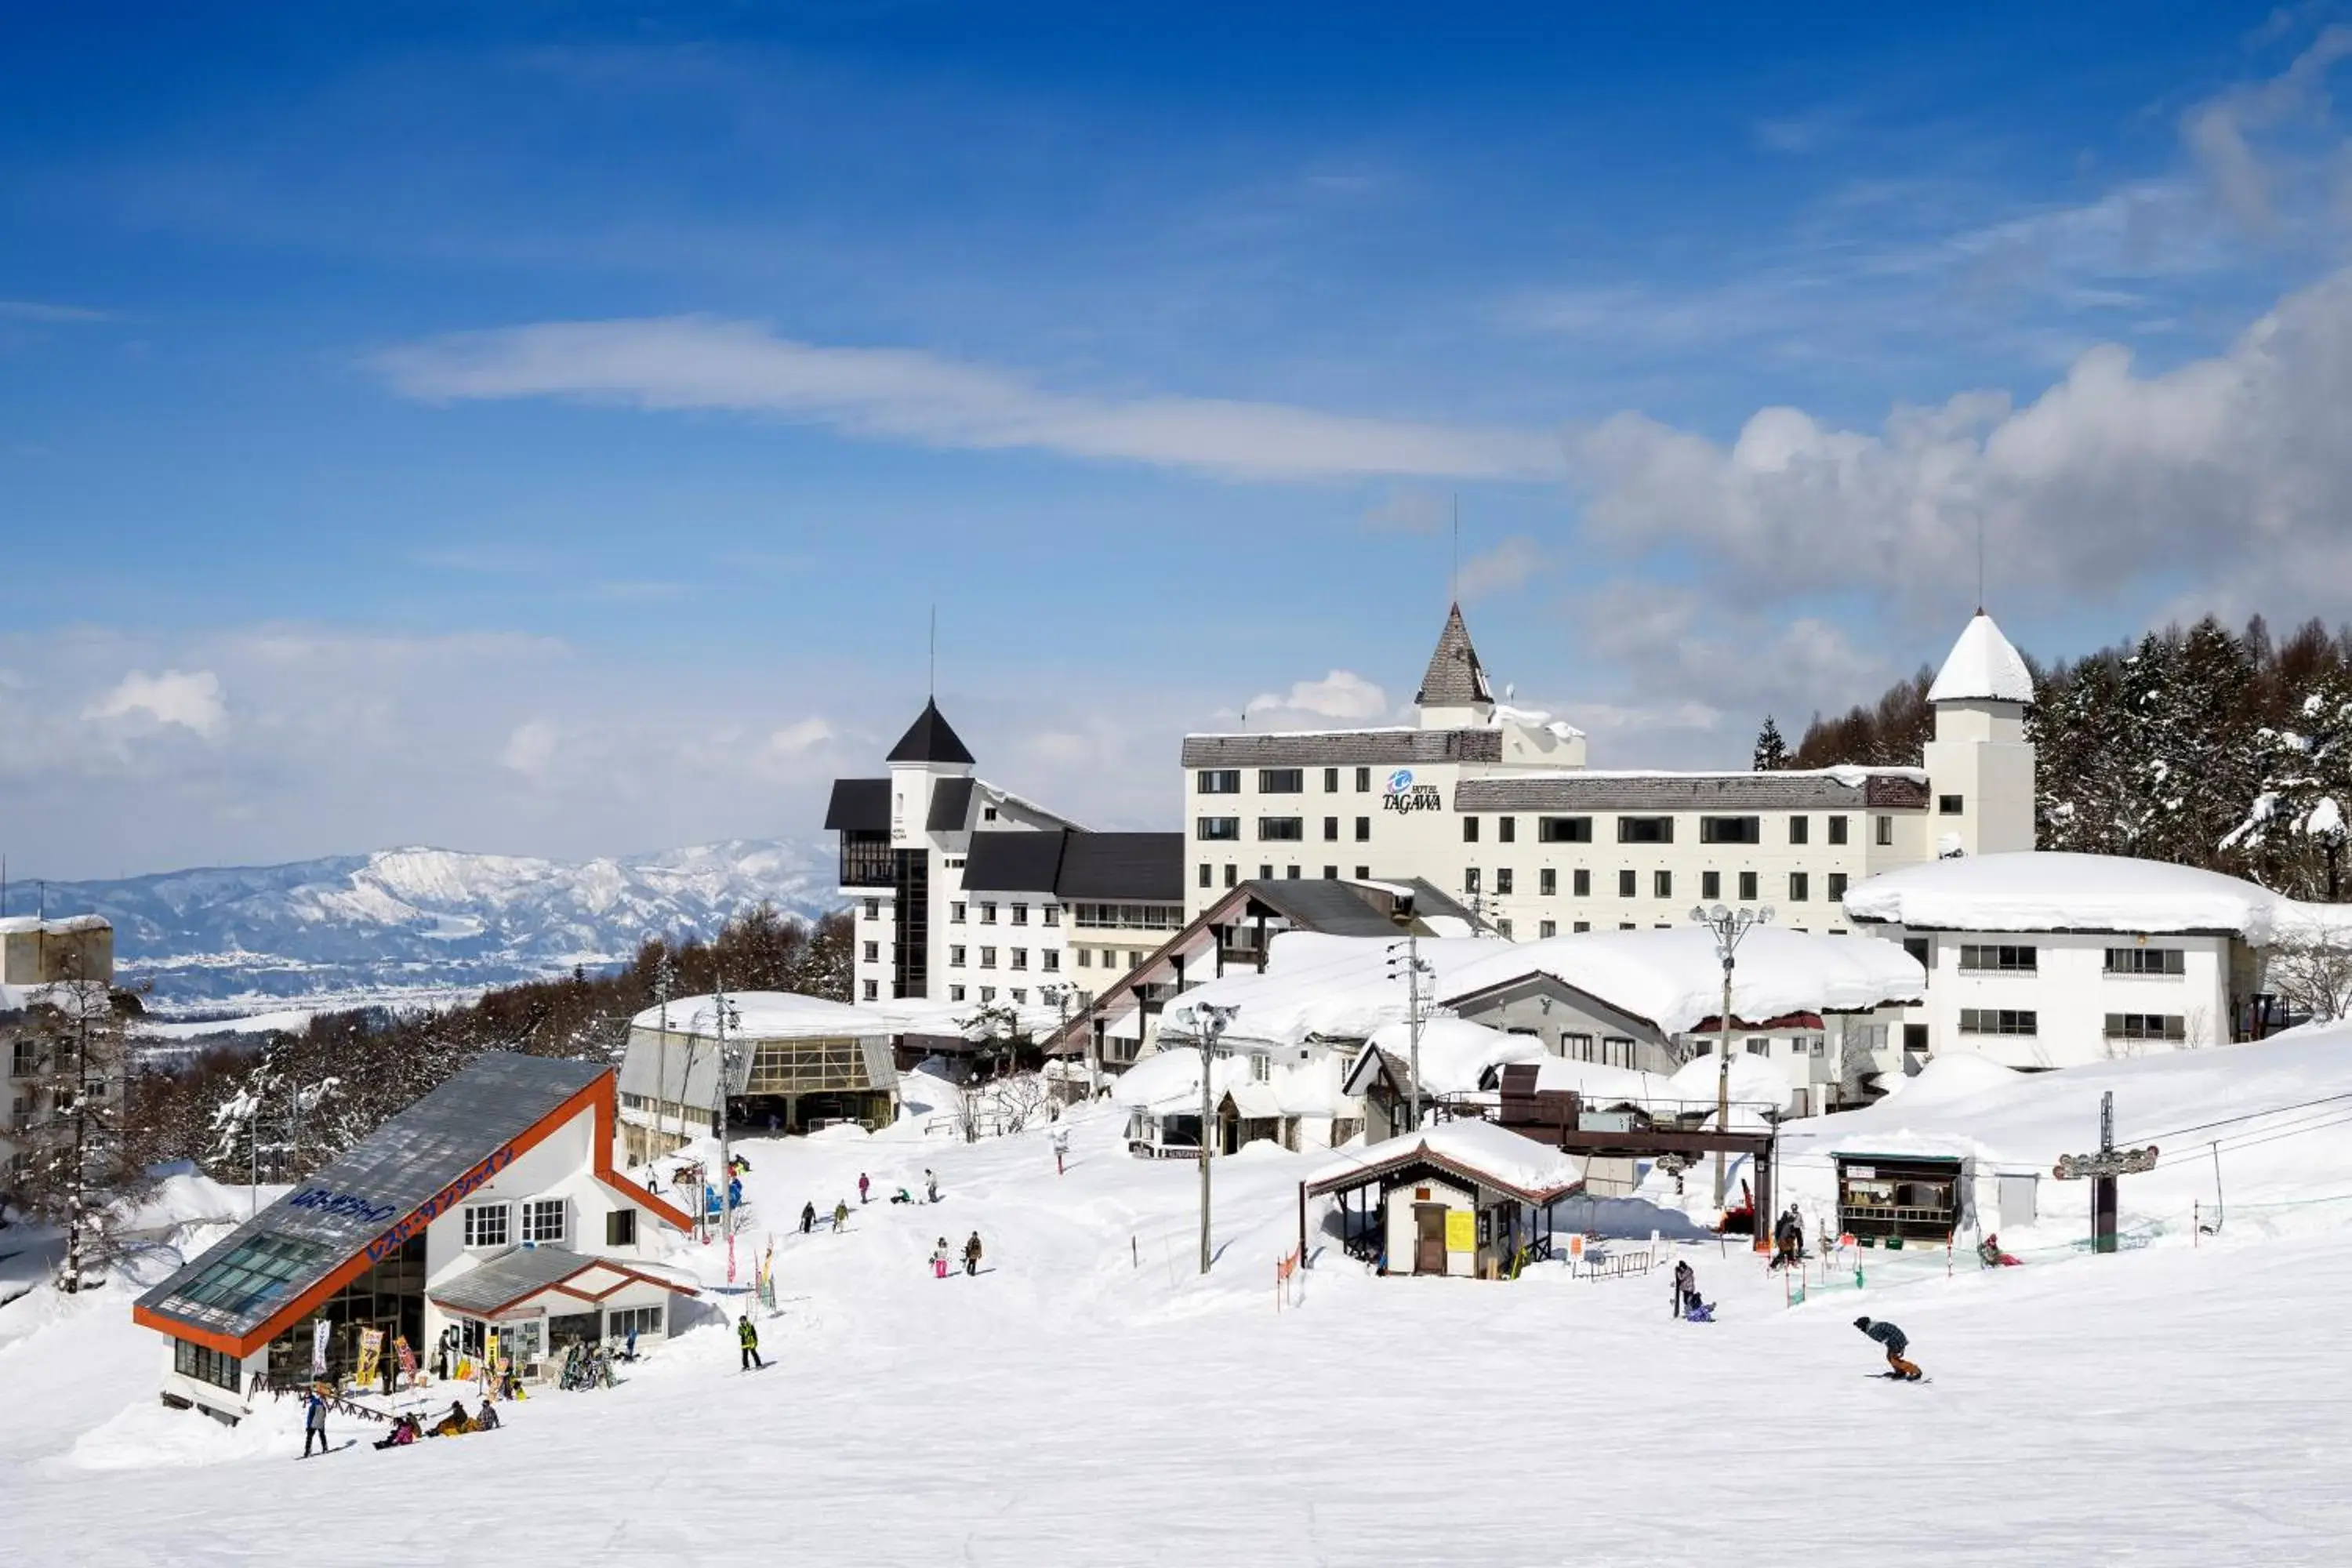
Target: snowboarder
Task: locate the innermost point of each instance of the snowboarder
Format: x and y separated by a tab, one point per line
1788	1239
629	1350
1685	1288
1895	1343
314	1422
403	1432
902	1196
747	1336
808	1216
1990	1254
861	1189
931	1183
972	1255
840	1216
939	1259
487	1421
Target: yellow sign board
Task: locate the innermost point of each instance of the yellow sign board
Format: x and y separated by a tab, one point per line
1461	1231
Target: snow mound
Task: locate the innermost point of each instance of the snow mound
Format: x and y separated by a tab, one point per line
1954	1076
1755	1083
1457	1053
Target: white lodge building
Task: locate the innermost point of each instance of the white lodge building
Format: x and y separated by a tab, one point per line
1496	807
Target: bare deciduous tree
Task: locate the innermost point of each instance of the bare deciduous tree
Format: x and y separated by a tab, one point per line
2313	973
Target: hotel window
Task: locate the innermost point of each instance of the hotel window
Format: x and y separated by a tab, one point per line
1885	831
987	814
1710	884
1364	830
1507	829
955	956
1331	829
1998	1021
543	1220
1469	830
1582	926
486	1225
1625	884
1021	914
988	914
1330	873
1646	830
1548	883
1999	958
1502	880
873	909
988	958
873	952
1219	827
1837	885
2148	1027
1219	781
2145	961
955	992
1363	873
1019	995
1662	884
1281	829
1050	913
1504	927
1266	873
1208	875
1469	881
873	991
1282	781
1579	883
1748	886
1085	958
1627	925
1547	928
1232	875
1290	873
1948	806
1330	781
621	1228
1800	887
1731	830
1837	830
988	993
955	913
207	1365
1800	829
1759	1047
1020	957
1563	830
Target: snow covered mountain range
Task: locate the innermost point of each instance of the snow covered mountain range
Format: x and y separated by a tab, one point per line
413	924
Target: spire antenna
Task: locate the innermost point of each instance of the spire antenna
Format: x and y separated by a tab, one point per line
931	678
1453	565
1980	596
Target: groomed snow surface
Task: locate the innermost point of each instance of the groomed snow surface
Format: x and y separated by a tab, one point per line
1089	1399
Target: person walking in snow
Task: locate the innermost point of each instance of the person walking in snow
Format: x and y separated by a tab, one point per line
1685	1288
1895	1342
939	1259
808	1216
747	1337
1061	1151
972	1255
861	1189
840	1216
314	1422
931	1183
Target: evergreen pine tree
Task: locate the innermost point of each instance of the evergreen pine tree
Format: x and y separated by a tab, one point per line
1772	751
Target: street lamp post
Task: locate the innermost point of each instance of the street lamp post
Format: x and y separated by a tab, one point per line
1728	926
1415	968
1213	1019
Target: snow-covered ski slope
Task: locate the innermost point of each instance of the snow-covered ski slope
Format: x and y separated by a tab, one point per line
1088	1399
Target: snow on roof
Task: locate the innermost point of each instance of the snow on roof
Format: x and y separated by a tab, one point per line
1455	1053
2054	890
1603	1085
1982	666
24	925
1317	986
788	1015
1755	1083
1675	980
1492	1155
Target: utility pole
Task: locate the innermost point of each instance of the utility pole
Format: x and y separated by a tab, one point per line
1213	1019
726	1084
665	976
1728	926
1414	970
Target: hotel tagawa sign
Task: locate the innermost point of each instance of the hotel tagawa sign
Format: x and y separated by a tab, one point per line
1403	794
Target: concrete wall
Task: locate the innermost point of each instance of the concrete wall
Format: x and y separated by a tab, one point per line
2071	995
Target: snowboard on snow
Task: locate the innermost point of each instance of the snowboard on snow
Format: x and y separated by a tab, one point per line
1896	1377
346	1443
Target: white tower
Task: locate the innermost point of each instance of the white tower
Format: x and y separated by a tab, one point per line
1979	765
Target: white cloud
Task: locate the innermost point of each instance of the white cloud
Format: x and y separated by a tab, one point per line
906	395
2218	130
798	739
2230	466
1342	694
50	314
1409	510
530	749
1509	566
192	700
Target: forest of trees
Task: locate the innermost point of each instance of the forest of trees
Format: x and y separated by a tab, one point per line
305	1098
2231	751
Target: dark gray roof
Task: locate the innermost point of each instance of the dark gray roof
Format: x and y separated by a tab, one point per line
929	740
1455	678
380	1181
1342	748
503	1280
1014	861
1338	908
1145	868
950	805
859	805
1688	791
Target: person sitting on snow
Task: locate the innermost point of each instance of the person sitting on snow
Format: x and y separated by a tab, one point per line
487	1421
1990	1254
456	1423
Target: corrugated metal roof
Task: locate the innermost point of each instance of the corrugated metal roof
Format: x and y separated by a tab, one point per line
1329	748
950	805
358	1197
505	1281
1455	678
859	805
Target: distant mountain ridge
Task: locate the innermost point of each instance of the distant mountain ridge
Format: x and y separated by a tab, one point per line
422	922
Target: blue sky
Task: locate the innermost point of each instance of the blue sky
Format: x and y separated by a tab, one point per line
545	429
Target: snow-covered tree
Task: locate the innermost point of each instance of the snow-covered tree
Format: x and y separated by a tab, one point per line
1772	751
2296	821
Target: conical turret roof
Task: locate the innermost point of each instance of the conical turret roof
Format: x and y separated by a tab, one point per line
931	738
1982	666
1455	678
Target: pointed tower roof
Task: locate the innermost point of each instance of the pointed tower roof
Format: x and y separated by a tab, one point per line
929	738
1982	668
1455	678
